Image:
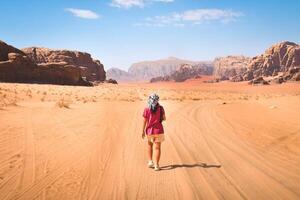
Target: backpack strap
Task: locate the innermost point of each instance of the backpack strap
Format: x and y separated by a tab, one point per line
161	113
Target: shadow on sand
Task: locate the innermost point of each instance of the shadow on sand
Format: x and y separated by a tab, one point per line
203	165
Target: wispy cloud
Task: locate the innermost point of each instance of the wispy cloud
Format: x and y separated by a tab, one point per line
86	14
135	3
197	16
165	1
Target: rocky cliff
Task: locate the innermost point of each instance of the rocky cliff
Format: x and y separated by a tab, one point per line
279	63
226	68
281	58
16	66
5	49
93	70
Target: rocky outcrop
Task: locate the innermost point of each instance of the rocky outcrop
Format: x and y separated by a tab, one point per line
280	62
93	70
230	67
5	49
118	74
16	66
60	73
281	57
293	74
159	68
160	79
112	81
186	71
259	80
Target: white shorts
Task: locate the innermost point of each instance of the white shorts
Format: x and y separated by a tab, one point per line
156	138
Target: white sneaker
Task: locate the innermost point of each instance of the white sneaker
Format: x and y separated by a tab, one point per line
156	168
150	164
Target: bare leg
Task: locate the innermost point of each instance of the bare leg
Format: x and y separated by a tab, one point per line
157	152
150	150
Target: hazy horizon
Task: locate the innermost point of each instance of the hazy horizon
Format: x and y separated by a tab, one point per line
122	32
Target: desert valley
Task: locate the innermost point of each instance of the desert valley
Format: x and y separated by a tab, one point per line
232	128
150	100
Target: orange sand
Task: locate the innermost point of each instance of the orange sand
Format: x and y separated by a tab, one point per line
223	141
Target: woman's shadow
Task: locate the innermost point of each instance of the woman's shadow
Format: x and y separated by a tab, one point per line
203	165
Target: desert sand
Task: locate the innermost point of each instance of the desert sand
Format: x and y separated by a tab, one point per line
223	141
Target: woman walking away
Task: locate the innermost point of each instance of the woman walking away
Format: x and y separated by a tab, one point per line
153	115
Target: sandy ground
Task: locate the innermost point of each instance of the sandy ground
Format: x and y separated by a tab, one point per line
223	141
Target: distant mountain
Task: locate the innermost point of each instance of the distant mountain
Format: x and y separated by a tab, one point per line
147	70
186	71
118	74
282	59
150	69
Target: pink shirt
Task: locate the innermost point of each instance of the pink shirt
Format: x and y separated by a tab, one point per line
154	126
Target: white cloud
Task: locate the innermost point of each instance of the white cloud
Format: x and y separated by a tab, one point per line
86	14
135	3
197	16
165	1
127	3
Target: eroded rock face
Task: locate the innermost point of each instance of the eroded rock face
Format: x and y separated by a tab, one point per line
186	71
15	66
230	67
280	57
93	70
159	68
281	62
18	68
5	49
60	73
293	74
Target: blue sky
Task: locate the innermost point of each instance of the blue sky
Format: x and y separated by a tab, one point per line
121	32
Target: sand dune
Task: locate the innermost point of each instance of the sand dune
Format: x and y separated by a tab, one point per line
222	142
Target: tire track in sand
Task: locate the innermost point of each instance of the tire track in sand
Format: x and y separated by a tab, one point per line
28	173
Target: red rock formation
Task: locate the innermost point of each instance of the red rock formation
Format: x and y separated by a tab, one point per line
280	57
15	66
5	49
281	61
60	73
93	70
227	68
